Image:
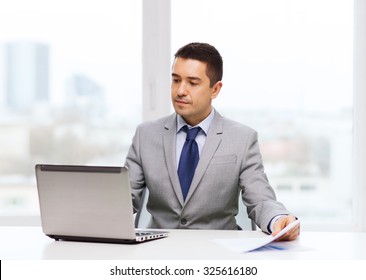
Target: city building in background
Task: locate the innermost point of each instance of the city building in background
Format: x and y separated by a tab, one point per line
27	74
63	90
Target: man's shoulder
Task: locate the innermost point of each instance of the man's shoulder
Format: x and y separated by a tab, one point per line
233	125
157	123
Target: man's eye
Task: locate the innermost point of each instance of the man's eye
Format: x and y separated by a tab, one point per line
193	84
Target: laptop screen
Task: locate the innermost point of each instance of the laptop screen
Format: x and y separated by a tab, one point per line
87	201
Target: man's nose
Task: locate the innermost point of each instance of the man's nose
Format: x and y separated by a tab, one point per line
182	90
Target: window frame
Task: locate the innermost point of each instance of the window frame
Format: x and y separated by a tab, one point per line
359	117
156	102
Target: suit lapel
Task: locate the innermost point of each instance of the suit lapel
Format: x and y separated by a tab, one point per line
169	139
213	141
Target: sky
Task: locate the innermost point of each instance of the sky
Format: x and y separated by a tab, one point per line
283	54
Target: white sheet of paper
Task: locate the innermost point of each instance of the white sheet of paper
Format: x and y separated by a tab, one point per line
243	245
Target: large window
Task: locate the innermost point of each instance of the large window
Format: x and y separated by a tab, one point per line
71	89
288	74
70	84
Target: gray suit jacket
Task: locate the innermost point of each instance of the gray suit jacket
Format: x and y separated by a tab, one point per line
230	162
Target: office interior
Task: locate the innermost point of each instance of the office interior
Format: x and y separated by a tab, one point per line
77	77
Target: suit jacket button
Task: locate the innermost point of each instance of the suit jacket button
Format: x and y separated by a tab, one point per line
183	221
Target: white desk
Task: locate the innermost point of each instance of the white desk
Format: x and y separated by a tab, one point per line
29	243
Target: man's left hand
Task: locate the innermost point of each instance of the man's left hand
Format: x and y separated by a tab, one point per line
281	223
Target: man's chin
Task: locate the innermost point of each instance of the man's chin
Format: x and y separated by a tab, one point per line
181	109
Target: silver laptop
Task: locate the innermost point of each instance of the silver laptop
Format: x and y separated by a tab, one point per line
88	203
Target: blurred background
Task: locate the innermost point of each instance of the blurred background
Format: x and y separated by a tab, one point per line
71	91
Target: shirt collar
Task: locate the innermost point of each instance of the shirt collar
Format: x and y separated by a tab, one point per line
205	124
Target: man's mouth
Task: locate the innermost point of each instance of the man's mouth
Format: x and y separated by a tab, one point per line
180	101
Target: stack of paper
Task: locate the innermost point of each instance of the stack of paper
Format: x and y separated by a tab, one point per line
243	245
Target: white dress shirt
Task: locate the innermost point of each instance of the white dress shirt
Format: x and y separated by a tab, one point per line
201	136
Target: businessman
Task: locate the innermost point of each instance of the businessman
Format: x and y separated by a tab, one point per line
195	162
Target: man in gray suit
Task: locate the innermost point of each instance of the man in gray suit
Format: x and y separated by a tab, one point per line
229	160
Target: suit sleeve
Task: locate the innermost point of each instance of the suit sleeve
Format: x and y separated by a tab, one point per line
136	174
257	194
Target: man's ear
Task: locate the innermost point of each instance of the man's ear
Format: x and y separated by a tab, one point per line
216	89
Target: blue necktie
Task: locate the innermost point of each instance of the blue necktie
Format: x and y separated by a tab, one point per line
188	159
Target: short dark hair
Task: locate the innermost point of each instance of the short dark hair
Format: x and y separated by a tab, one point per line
205	53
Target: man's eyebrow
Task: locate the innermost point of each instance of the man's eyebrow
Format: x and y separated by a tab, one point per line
195	78
189	78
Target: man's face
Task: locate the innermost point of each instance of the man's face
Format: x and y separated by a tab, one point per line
191	91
